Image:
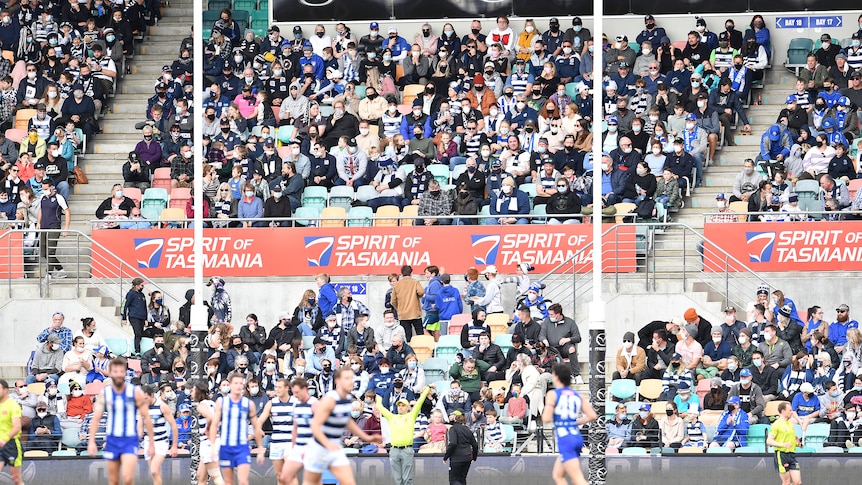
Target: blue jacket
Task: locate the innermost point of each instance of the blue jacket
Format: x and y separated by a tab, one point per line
326	299
770	149
135	305
316	63
448	301
381	383
429	301
736	432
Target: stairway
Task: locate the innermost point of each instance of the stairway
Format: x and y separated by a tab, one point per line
719	177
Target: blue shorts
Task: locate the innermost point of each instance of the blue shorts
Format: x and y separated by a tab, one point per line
116	447
570	446
234	456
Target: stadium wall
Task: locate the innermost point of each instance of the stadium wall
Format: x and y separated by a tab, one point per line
677	26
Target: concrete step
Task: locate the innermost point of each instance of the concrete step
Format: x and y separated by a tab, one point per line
159	46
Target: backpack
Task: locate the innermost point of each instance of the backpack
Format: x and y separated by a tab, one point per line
646	209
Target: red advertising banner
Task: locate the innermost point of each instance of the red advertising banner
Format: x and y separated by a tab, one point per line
12	255
160	253
786	246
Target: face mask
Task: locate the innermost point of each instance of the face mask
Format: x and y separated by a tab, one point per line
743	339
417	112
719	204
442	54
31	75
677	148
642	171
659	133
211	370
695	84
270	367
249	193
448	32
562	189
384	370
77	393
520	105
79	95
355	414
756	362
300	371
701	104
825	45
253	390
119	195
835	393
646	52
507	189
52	392
656	151
643	414
612	128
225	389
170	395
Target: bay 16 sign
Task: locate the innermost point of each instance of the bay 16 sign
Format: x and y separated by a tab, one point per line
358	251
809	22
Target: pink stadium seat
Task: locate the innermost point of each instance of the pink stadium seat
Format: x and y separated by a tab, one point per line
133	193
179	197
162	178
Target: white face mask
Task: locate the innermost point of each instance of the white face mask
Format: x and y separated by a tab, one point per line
41	414
486	153
677	148
507	189
690	126
719	204
529	28
31	75
393	109
605	167
628	345
743	339
170	395
567	50
77	393
656	151
270	367
642	171
52	94
55	153
520	105
646	52
225	390
659	133
355	367
253	390
363	131
695	84
701	104
249	193
300	371
612	128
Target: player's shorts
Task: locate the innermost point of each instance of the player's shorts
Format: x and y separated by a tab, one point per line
161	448
11	453
318	459
297	453
206	452
570	446
278	451
116	447
234	456
785	461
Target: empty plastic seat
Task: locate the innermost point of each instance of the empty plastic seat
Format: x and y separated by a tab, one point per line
387	216
365	193
133	193
440	172
307	216
179	197
409	215
360	216
154	202
161	179
333	217
314	196
624	389
341	196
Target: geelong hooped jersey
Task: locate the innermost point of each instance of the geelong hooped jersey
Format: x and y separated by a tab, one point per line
303	415
160	424
566	411
282	420
202	421
334	425
122	412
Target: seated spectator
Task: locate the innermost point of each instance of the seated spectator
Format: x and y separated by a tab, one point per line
685	399
645	431
672	428
715	356
619	428
806	406
831	403
48	361
795	375
732	429
136	172
776	352
511	202
731	374
515	411
77	362
435	434
631	360
116	206
675	374
716	398
564	202
751	397
389	183
78	405
434	206
45	432
456	400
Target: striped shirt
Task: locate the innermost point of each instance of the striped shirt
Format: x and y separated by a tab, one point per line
202	421
337	420
391	125
233	430
282	420
122	412
160	424
519	83
303	415
494	433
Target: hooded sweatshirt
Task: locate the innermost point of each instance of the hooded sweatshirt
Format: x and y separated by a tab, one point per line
448	302
429	301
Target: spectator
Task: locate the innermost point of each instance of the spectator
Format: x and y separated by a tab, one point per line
658	355
751	397
57	328
645	431
453	401
776	352
136	172
77	362
434	206
45	432
512	202
48	361
715	356
689	348
732	430
561	333
746	183
619	428
27	400
52	205
674	375
135	312
806	406
631	360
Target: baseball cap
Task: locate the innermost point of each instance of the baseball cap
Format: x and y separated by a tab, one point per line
676	356
392	30
39	166
806	387
402	401
297	29
577	21
825	38
612	120
841	55
684	387
645	406
729	308
554	21
690	117
374	25
490	269
734	400
648	17
842	308
790	99
775	199
724	37
793	198
745	373
720	196
623	65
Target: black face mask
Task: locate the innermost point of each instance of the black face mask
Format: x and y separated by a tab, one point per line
312	134
475	31
349	299
737	65
225	130
418	135
211	117
426	33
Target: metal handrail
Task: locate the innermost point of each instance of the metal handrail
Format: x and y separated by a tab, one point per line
109	262
824	212
566	281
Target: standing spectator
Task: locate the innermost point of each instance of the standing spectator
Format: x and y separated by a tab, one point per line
561	333
135	311
448	303
406	299
492	301
462	449
327	298
51	206
220	302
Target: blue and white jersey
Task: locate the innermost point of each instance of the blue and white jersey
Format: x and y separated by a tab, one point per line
160	424
566	411
122	412
303	415
202	421
334	425
234	415
282	420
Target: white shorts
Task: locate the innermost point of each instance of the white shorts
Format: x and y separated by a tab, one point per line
161	448
318	459
297	454
277	451
206	452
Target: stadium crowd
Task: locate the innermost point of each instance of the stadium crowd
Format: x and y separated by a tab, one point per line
501	117
487	363
702	385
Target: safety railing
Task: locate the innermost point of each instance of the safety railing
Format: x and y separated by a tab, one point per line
46	257
781	216
674	252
